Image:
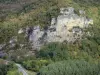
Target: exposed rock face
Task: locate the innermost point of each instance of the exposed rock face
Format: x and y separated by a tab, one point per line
66	27
36	37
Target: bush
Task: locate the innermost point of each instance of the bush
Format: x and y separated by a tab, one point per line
91	44
4	68
70	67
35	65
54	51
14	72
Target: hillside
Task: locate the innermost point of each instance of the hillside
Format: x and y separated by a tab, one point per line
42	34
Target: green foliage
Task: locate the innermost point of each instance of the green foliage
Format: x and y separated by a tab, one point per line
35	65
54	51
8	69
19	55
91	43
31	73
90	47
14	72
90	2
4	68
6	34
44	18
70	68
40	12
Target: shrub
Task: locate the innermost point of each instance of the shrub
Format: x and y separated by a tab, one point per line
35	65
4	68
75	67
14	72
54	51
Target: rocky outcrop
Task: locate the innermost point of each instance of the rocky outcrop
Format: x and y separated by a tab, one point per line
68	26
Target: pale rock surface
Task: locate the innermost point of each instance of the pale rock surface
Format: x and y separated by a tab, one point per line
20	31
66	27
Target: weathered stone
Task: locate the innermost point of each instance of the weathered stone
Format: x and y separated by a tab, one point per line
66	11
61	29
81	12
13	40
21	31
53	21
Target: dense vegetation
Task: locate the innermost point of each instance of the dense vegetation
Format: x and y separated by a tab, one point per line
3	69
58	58
54	51
8	68
70	68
